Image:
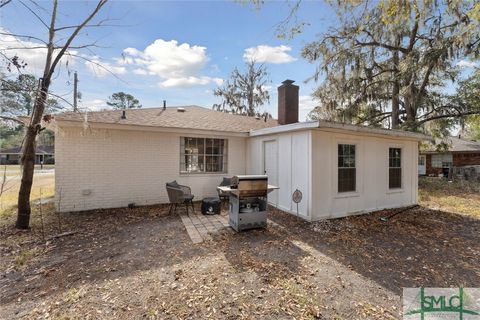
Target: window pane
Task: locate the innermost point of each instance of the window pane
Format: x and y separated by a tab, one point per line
203	155
209	146
346	179
395	168
346	168
201	146
395	178
213	163
216	146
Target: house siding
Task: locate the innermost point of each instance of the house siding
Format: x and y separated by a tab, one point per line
307	161
372	191
108	168
293	169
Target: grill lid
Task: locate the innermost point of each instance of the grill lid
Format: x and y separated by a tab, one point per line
250	185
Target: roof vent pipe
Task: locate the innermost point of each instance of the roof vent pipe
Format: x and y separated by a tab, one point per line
124	114
164	104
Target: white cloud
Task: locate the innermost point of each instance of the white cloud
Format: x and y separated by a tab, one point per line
467	64
29	52
140	71
265	53
101	68
124	60
189	81
177	65
33	53
306	104
94	105
169	60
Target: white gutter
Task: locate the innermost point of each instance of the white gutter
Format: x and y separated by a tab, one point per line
333	126
285	128
364	129
119	126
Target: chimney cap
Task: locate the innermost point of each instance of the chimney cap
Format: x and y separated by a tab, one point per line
288	81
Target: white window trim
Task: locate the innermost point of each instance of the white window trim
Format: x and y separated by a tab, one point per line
358	167
402	164
442	155
203	173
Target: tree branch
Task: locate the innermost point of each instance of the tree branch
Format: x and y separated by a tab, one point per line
34	13
12	119
3	3
21	36
443	116
100	4
99	24
97	64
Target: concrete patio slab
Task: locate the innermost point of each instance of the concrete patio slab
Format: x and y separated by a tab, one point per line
200	226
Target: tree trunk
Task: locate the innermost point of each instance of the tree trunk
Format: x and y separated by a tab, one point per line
28	159
410	108
395	105
28	166
395	89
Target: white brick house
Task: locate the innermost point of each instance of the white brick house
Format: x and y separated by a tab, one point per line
109	159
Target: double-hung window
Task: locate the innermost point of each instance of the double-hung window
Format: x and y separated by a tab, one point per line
347	173
442	160
199	155
394	168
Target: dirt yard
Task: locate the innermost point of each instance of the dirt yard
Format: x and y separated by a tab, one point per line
140	263
133	263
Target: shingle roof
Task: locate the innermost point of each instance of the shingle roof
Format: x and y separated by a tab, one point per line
458	145
193	117
39	150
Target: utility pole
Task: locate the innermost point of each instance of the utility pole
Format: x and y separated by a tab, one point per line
75	84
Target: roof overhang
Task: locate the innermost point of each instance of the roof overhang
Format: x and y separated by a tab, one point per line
119	126
341	128
449	151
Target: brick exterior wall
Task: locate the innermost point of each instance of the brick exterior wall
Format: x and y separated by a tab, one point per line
459	159
429	169
106	168
466	159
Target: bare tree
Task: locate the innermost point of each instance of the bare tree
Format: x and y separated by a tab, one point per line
54	54
245	92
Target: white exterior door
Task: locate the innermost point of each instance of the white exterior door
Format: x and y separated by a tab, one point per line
422	165
270	165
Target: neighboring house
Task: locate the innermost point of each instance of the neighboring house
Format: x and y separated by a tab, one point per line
112	158
12	155
461	152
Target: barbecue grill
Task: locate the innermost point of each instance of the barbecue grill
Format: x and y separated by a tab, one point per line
248	201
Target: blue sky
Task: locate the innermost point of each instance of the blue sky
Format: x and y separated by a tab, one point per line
175	51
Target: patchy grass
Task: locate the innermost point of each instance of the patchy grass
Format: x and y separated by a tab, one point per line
14	169
19	257
458	196
43	187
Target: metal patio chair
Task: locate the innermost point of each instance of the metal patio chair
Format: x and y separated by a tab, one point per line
224	195
178	195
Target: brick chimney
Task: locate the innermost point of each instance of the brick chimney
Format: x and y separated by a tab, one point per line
287	103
